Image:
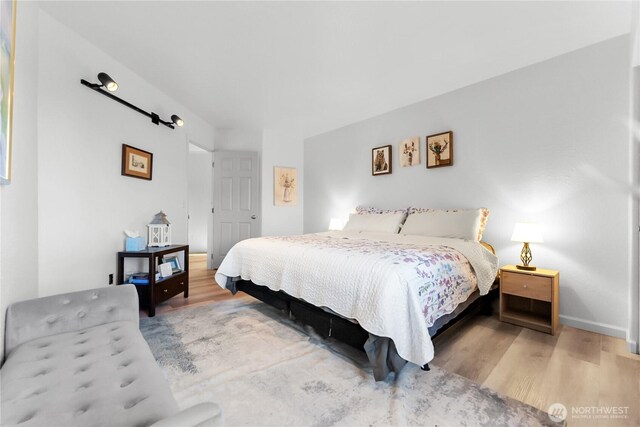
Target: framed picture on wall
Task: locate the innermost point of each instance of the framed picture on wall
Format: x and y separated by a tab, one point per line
409	150
7	55
136	163
285	181
381	160
440	150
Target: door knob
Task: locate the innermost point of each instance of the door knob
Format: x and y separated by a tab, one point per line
253	217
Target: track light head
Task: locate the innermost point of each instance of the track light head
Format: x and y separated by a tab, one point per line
108	82
177	120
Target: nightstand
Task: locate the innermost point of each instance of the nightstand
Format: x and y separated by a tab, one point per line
530	298
157	291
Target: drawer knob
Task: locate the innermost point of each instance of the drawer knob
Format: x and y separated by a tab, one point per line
524	286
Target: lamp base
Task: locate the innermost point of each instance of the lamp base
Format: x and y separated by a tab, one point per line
525	257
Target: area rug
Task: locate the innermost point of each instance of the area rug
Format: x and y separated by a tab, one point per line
265	369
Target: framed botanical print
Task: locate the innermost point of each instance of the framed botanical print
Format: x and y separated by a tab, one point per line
381	160
285	181
136	163
440	150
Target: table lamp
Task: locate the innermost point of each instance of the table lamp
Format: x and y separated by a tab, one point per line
335	224
526	232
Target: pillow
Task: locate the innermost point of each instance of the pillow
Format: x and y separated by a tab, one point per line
365	210
457	224
483	220
375	223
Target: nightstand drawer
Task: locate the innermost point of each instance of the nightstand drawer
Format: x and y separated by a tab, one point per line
169	288
526	285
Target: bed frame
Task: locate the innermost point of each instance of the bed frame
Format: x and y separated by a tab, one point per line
328	324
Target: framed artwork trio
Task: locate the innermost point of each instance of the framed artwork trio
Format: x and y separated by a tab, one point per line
438	149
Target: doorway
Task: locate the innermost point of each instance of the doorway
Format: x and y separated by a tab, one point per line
200	200
236	196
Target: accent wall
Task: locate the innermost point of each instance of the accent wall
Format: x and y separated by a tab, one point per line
546	143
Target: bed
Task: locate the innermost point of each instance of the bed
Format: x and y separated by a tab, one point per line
397	289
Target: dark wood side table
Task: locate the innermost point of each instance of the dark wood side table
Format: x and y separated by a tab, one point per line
160	290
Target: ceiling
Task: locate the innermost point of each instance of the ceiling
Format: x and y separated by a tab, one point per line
316	66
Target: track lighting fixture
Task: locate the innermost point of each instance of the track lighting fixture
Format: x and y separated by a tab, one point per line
177	120
107	82
110	85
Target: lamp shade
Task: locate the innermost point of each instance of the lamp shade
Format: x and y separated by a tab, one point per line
336	224
528	232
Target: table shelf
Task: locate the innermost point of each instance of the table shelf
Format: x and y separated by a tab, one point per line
530	298
157	291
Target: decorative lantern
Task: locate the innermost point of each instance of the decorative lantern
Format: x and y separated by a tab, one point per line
159	231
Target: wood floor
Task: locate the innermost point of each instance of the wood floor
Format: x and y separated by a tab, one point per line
202	288
579	369
584	371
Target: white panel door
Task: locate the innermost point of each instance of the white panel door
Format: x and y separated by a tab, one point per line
235	200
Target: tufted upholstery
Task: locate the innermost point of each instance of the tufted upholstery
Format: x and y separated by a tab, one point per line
80	359
41	317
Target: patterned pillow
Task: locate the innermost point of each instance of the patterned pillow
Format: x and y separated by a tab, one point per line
368	210
365	210
483	219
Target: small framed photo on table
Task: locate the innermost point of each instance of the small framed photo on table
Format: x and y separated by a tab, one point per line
381	160
174	261
165	270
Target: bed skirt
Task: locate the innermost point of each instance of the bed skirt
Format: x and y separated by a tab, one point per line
381	351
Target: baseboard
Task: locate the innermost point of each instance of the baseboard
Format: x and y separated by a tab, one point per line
632	346
601	328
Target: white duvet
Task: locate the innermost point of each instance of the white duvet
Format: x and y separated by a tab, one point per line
393	285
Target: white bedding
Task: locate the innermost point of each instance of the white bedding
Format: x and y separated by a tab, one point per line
394	285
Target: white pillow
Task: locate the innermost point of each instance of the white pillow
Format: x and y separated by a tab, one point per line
464	224
375	223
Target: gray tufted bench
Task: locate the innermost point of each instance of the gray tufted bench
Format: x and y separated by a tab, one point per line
79	359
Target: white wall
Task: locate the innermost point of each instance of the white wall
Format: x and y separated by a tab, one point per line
200	196
633	335
281	148
547	143
84	202
238	139
19	208
275	147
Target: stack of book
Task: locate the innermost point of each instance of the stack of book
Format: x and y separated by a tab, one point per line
139	278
